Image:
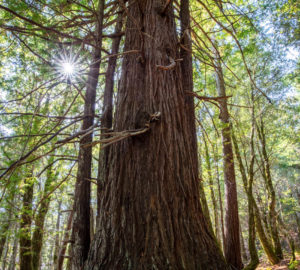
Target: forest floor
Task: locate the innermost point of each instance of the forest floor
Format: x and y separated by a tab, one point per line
283	265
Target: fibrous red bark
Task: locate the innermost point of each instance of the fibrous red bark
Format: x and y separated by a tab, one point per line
107	111
151	217
81	222
232	247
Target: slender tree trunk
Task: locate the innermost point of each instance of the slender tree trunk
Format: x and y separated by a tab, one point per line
267	246
12	262
243	247
65	241
38	233
296	213
187	74
187	82
232	236
212	193
285	231
56	249
203	197
254	260
25	225
3	231
288	236
151	217
298	224
252	248
107	111
251	240
271	191
81	223
4	259
204	204
264	216
92	226
188	86
220	197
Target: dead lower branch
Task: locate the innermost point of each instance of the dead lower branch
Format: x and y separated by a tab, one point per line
206	97
168	67
121	135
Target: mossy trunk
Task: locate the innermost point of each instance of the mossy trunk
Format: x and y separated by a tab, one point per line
25	225
271	192
56	243
4	230
243	247
212	192
267	246
12	261
265	242
38	232
288	236
219	195
248	185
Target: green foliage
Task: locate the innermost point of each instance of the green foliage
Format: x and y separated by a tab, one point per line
36	102
293	265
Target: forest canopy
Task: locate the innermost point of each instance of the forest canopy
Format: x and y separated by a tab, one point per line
149	134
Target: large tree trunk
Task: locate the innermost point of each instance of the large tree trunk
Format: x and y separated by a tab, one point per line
81	223
232	247
25	225
151	216
271	192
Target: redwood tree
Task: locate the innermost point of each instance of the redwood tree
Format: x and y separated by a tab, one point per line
150	213
81	222
232	247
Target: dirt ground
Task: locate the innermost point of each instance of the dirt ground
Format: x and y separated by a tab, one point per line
283	265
